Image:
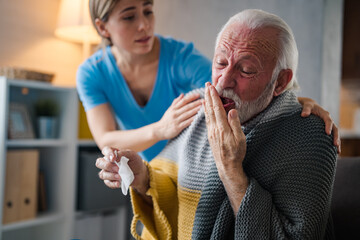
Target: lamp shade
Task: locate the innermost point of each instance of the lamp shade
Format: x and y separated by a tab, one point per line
74	22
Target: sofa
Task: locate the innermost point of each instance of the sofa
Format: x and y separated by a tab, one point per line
345	207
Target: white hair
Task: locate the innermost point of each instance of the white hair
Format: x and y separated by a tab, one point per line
288	56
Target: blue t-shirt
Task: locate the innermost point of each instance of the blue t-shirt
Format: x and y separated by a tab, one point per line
181	69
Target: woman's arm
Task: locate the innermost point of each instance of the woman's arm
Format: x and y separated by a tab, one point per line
310	106
103	128
179	116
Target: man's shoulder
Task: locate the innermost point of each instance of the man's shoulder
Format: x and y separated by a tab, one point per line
292	138
303	132
293	123
311	124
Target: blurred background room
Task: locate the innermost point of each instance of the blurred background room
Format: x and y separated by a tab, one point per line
42	43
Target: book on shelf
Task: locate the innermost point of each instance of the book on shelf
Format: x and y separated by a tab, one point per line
42	200
20	200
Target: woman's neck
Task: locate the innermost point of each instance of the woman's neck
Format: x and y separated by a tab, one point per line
131	62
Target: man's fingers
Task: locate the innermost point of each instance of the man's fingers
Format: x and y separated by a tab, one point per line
209	112
218	109
235	124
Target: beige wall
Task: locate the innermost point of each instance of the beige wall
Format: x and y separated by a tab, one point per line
27	37
27	40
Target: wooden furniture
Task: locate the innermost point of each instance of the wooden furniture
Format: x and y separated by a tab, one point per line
57	159
350	81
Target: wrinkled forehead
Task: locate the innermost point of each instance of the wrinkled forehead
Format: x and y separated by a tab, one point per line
262	41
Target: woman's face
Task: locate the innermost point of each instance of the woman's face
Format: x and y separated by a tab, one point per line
131	26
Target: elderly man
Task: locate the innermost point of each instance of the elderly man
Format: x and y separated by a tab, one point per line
249	166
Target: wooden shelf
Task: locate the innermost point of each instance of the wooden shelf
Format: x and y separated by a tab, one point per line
349	134
37	143
35	84
86	143
45	218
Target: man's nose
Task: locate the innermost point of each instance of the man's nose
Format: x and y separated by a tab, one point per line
227	79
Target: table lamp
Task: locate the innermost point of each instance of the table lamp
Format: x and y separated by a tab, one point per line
74	24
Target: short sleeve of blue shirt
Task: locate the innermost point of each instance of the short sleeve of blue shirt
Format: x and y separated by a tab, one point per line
181	69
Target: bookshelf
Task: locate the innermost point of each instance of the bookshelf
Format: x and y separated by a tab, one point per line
57	159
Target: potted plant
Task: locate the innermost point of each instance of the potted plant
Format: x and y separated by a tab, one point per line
47	111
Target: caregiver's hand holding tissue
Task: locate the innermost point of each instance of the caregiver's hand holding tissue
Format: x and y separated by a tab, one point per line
109	169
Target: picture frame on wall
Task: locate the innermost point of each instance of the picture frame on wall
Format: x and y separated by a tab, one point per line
20	125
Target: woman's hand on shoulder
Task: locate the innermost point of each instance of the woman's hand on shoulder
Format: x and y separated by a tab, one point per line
178	116
311	107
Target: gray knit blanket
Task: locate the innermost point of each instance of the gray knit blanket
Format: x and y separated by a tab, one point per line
290	163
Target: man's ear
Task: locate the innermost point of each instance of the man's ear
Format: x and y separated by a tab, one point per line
282	81
100	26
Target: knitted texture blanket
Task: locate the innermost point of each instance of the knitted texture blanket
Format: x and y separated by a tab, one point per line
290	163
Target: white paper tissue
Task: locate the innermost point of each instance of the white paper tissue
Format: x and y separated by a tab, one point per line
127	176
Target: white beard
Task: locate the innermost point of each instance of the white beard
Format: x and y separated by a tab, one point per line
249	109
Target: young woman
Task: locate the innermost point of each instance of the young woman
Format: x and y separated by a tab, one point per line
136	83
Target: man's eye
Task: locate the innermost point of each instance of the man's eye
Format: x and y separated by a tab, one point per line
248	72
221	64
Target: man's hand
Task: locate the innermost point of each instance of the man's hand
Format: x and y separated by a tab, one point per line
109	170
228	144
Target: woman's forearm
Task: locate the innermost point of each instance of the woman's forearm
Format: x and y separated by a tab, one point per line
136	139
